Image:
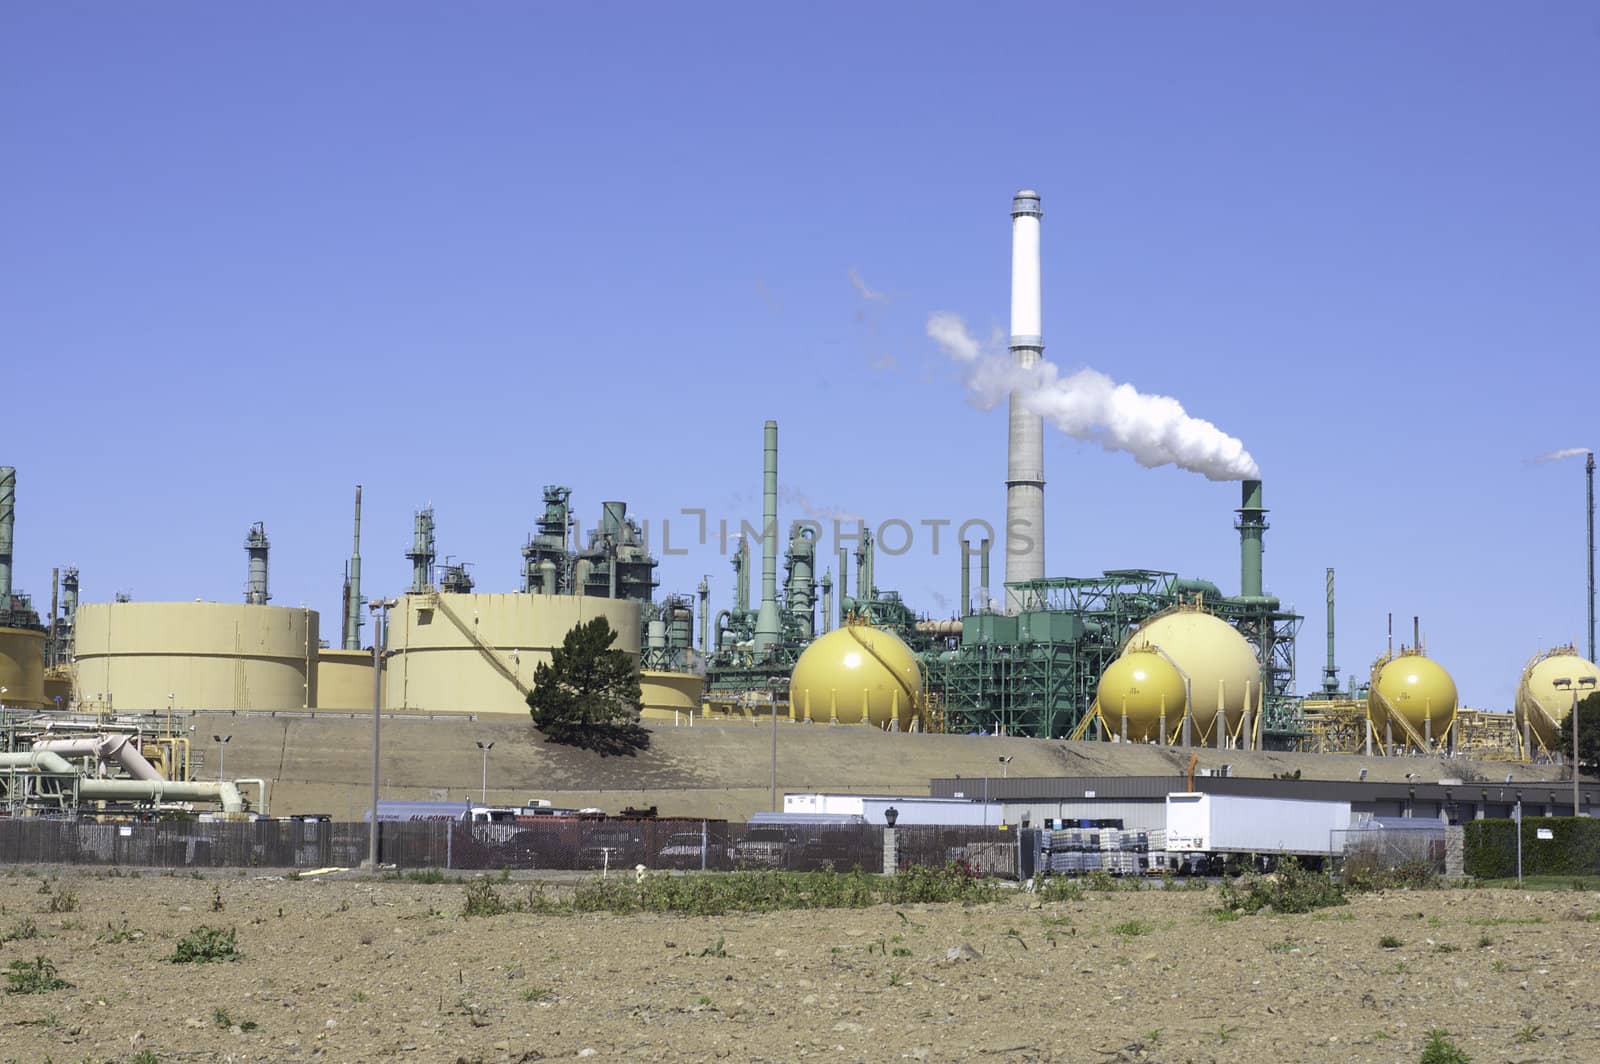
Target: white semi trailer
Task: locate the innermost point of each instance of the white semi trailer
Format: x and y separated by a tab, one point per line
1223	824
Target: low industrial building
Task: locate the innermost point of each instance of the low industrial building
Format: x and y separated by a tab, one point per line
1140	801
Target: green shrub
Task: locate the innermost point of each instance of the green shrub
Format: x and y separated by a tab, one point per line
1291	889
1058	888
204	945
37	976
483	900
1440	1050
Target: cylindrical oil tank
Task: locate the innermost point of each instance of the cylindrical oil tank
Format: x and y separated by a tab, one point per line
1143	687
1219	663
671	695
1544	705
854	675
205	655
470	653
58	685
344	679
22	667
1420	692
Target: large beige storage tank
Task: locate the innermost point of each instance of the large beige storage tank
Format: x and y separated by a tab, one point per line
206	655
22	668
857	675
1542	704
344	679
467	653
1419	691
671	695
1220	665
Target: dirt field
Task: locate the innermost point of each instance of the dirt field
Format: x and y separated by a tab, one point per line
343	968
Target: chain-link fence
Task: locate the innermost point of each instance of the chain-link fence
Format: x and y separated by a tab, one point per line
537	843
988	851
1416	849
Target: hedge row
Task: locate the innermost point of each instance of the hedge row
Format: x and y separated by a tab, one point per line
1574	849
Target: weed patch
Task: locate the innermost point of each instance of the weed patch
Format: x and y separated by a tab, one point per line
37	976
1291	889
205	945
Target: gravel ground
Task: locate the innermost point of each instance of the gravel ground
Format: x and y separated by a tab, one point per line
343	968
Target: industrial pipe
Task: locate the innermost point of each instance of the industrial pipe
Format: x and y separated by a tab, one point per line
45	761
769	627
8	520
162	790
106	748
1025	443
827	601
48	762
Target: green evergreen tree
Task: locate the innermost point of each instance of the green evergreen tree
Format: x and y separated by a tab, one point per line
586	686
1588	732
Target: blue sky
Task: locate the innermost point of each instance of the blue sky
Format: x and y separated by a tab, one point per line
256	254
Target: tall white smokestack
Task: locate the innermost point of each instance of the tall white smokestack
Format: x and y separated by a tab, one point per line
1025	445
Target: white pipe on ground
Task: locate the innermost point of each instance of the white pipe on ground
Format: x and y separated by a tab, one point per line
107	748
157	790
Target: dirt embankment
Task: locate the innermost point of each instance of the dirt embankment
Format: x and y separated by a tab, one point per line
350	969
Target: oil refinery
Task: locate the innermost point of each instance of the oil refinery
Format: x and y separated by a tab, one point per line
1126	656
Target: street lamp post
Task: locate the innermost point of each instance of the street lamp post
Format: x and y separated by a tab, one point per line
222	753
483	798
1005	765
170	696
380	627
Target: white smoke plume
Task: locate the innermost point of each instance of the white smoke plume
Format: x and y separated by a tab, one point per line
792	496
1088	405
1565	452
863	290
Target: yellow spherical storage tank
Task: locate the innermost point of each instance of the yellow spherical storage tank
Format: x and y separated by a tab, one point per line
857	675
1542	706
1219	663
1419	691
1143	687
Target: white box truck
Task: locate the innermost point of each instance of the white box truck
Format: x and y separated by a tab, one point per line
1231	823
